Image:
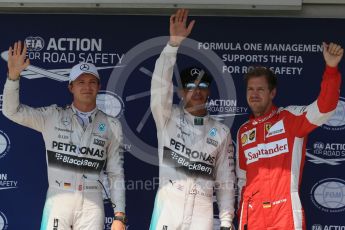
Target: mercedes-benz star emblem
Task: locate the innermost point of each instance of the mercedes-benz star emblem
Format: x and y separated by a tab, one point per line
84	67
195	71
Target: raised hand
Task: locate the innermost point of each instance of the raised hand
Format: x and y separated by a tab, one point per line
332	54
178	27
17	60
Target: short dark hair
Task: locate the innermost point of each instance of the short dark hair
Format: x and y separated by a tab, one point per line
259	71
190	74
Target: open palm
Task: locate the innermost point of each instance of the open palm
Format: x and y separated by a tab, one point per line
178	26
17	60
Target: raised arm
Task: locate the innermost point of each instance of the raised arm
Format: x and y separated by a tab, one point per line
12	109
161	84
317	113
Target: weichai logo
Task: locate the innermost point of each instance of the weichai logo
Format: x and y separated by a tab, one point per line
266	150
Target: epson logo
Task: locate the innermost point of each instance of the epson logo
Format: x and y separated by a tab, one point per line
328	195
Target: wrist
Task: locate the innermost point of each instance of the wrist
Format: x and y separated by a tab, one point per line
120	216
174	43
12	77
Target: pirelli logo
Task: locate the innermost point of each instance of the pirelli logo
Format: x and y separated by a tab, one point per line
266	150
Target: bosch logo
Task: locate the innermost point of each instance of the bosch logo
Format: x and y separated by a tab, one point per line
84	67
329	195
34	43
3	221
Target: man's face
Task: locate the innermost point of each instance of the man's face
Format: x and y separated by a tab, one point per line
196	98
259	96
85	88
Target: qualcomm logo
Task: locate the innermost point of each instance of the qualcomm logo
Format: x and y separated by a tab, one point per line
337	121
6	184
328	195
5	144
110	103
3	221
327	227
326	153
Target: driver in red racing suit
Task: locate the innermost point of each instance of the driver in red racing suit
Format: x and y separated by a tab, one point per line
271	148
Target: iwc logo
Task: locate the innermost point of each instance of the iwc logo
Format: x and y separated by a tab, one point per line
337	121
3	221
110	103
328	195
4	144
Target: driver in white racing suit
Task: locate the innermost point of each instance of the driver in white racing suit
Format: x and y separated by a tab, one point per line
80	140
195	151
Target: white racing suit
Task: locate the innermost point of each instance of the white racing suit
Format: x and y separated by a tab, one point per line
75	159
193	159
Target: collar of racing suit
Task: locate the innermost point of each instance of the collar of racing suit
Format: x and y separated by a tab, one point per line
91	114
191	117
265	117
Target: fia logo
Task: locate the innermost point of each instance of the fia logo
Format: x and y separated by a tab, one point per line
316	227
34	43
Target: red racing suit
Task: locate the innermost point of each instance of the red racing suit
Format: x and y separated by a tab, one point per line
270	158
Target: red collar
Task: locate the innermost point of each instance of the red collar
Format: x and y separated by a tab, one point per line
265	117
